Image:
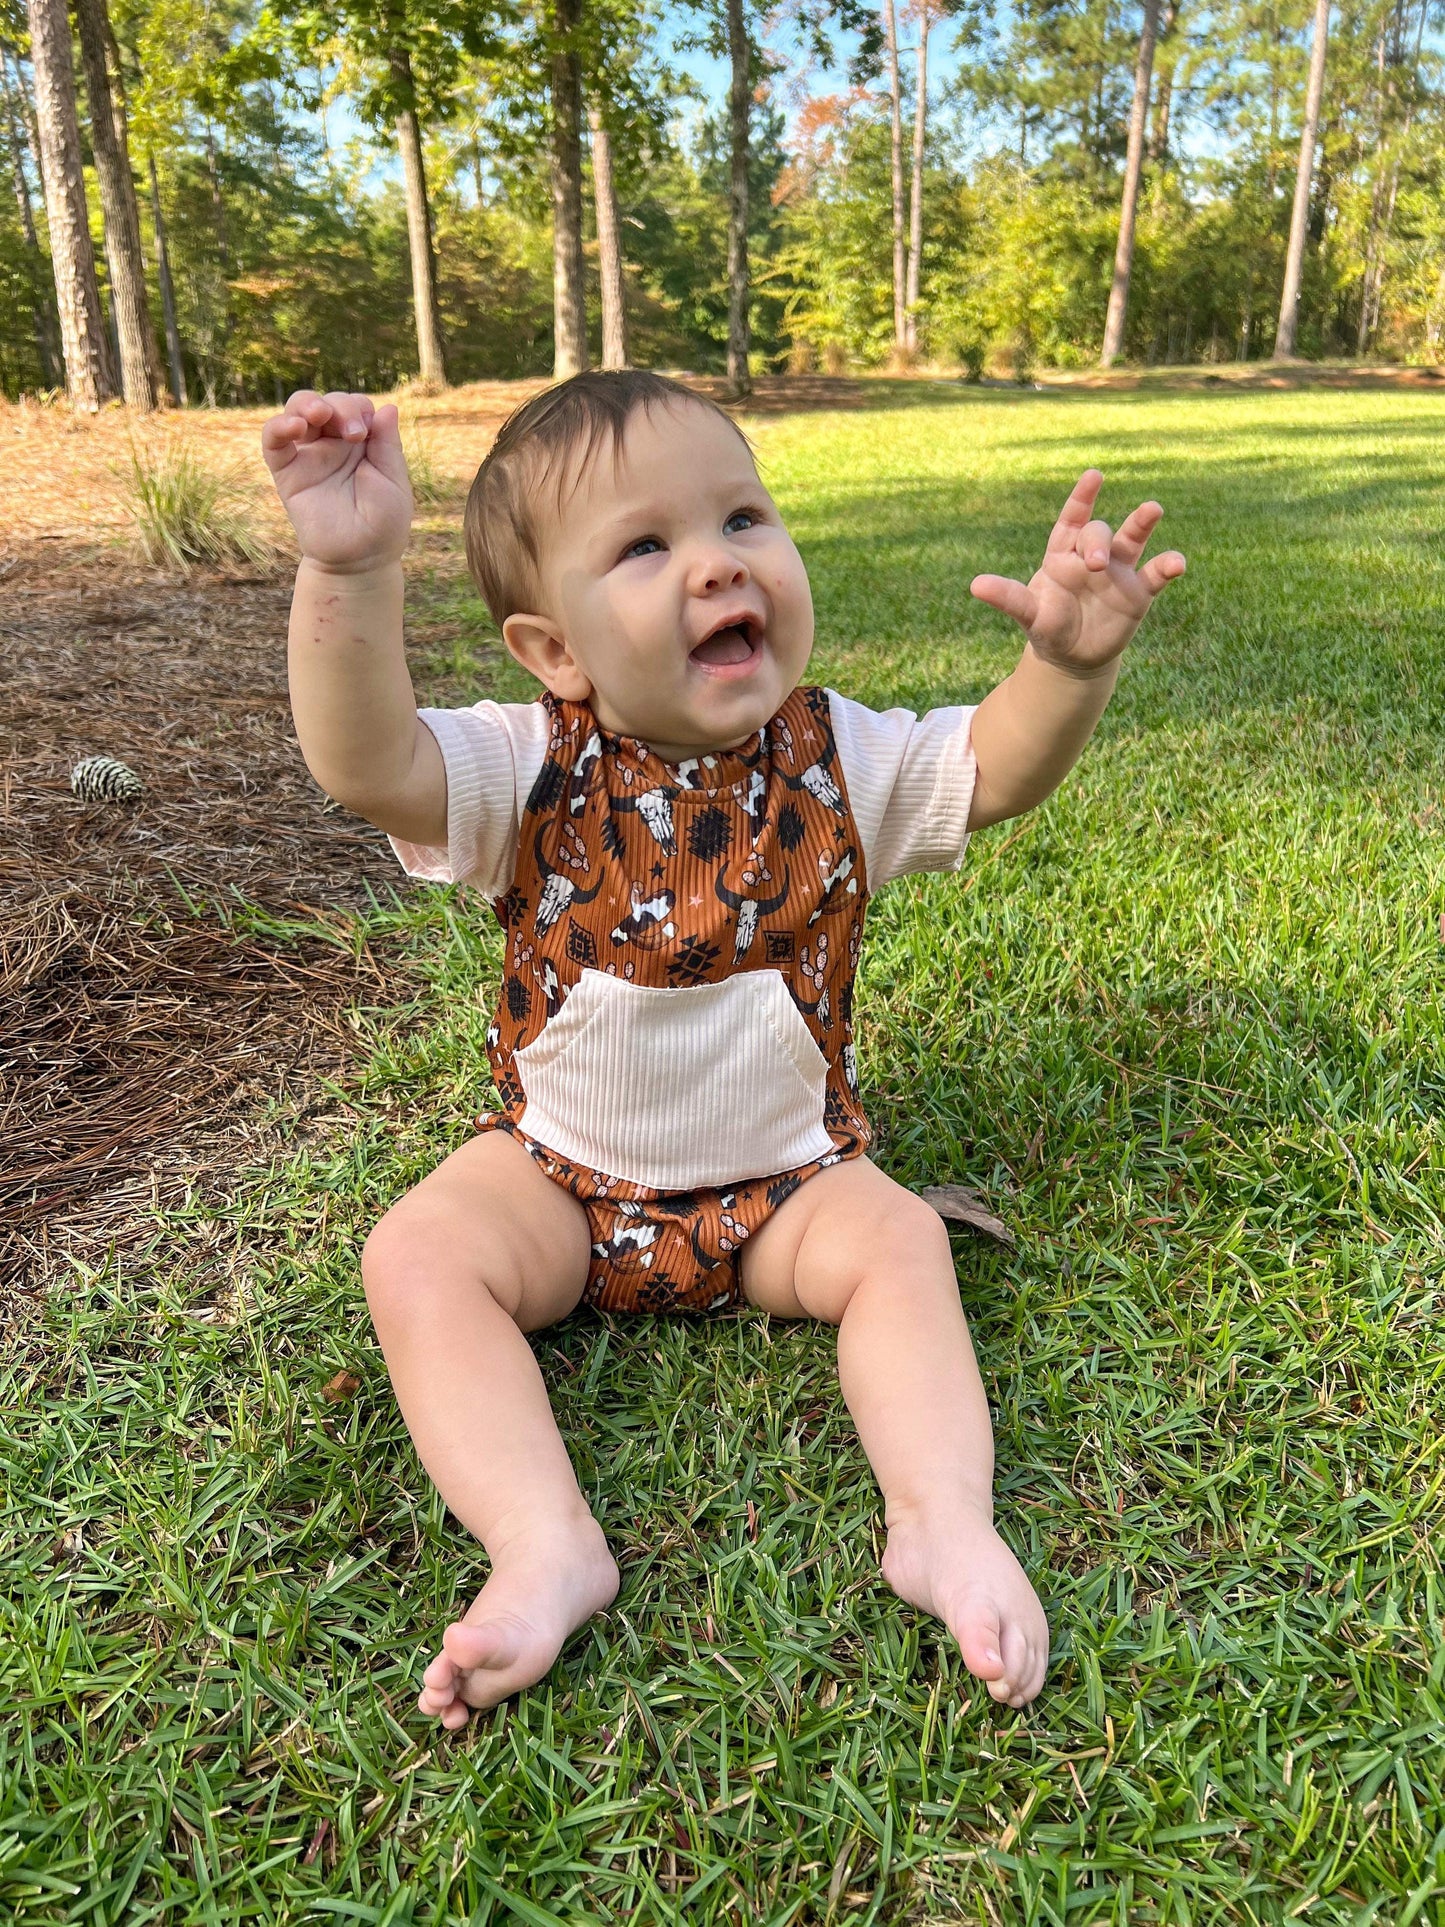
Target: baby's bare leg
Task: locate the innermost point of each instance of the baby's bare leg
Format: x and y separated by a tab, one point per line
874	1259
484	1250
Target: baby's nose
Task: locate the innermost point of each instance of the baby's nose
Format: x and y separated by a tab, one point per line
717	569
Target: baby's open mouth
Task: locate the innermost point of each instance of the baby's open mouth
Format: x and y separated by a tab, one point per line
735	643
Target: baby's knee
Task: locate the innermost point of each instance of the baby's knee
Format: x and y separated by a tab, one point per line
410	1252
388	1258
899	1237
905	1234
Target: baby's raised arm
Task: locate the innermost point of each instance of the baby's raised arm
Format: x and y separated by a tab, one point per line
338	466
1080	609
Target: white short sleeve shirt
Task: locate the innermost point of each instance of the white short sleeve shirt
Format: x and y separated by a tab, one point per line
910	782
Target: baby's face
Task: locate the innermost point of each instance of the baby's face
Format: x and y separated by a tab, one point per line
646	562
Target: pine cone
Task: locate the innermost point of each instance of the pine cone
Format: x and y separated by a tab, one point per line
101	779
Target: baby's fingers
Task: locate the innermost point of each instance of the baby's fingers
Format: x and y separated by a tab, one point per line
1075	513
1161	569
1135	530
303	419
1095	541
1011	598
350	415
279	437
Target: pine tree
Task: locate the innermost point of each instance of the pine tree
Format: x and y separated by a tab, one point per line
1284	340
139	360
609	242
1133	167
89	372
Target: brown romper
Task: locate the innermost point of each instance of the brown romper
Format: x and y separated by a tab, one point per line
675	881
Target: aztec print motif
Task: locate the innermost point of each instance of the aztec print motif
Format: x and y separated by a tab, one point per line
674	876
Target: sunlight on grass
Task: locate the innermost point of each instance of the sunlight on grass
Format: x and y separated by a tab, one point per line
1183	1026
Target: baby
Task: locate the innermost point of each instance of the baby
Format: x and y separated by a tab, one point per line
679	837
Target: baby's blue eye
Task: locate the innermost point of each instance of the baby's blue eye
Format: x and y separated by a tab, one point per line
741	515
645	545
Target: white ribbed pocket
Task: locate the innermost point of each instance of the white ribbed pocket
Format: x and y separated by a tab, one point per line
705	1084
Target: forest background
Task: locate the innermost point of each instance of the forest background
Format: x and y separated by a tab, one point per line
229	199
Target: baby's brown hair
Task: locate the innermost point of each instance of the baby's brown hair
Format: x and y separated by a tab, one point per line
501	524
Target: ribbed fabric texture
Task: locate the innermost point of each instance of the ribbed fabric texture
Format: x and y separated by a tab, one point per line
667	1088
492	753
910	780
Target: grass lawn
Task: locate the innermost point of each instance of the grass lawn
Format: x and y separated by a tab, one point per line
1183	1025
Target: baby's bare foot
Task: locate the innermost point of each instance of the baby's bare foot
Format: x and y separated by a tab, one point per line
543	1587
952	1563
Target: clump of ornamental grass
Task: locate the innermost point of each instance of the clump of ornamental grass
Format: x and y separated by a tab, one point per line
428	484
187	513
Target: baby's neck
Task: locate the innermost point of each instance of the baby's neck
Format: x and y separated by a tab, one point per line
678	752
674	753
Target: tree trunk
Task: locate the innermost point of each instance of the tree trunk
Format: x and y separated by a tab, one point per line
895	132
609	243
1382	220
218	204
569	286
89	376
1167	59
1373	240
739	110
168	293
431	353
1377	194
47	340
139	363
1133	167
915	209
1299	218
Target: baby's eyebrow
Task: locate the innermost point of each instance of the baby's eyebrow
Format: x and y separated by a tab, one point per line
616	526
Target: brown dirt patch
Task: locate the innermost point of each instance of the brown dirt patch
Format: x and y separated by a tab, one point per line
66	475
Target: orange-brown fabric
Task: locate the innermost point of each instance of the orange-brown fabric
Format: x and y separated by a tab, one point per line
756	863
670	1251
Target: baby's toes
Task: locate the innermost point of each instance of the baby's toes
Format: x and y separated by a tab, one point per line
1026	1659
493	1643
1020	1667
439	1691
979	1632
1038	1666
452	1713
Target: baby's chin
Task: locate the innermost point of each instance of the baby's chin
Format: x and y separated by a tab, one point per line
723	715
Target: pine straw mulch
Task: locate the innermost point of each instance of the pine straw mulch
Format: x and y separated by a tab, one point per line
66	475
142	1038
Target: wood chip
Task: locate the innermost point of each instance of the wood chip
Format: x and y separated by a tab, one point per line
967	1207
345	1385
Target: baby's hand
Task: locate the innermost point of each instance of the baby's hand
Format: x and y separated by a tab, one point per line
1087	598
339	468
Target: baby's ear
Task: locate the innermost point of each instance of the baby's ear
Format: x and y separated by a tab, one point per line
539	645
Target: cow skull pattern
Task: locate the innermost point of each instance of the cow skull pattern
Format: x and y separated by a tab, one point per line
671	875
